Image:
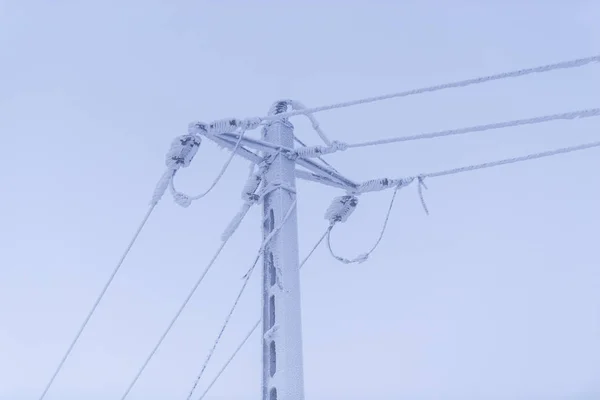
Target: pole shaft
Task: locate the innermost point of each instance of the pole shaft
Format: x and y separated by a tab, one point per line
283	375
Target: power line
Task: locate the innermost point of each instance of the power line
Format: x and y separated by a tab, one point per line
98	300
513	160
402	182
181	153
420	178
336	146
580	114
225	238
179	311
577	63
257	324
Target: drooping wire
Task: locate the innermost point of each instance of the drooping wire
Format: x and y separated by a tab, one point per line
421	177
185	199
247	277
364	256
257	324
577	63
98	300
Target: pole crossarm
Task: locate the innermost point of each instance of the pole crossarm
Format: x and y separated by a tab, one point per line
318	173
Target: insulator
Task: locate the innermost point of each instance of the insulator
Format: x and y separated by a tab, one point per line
182	151
279	107
224	126
341	208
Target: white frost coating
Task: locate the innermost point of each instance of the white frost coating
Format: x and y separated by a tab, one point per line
250	198
279	209
377	184
235	222
271	333
181	199
251	186
296	105
317	151
341	208
162	185
182	152
227	125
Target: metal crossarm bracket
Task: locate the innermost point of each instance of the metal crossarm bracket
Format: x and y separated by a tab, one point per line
317	172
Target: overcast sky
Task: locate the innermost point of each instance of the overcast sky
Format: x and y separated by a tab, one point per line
494	296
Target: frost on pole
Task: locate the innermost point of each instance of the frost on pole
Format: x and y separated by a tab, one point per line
283	374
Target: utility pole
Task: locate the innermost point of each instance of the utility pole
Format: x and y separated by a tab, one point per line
283	374
283	371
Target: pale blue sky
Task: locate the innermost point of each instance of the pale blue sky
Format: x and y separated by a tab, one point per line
493	296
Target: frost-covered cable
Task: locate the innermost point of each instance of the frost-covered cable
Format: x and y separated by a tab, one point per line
315	151
185	200
580	62
175	318
98	300
420	178
256	325
579	114
343	206
296	105
512	160
239	296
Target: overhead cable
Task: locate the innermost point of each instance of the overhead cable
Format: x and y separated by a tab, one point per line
251	186
577	63
341	216
98	300
317	151
512	160
180	155
419	178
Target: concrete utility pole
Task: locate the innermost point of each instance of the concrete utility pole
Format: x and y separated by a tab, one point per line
283	374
